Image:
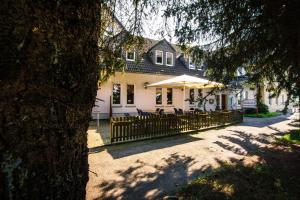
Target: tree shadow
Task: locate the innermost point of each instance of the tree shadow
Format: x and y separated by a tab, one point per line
263	122
127	149
135	183
275	175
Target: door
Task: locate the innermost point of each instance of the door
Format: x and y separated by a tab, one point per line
224	102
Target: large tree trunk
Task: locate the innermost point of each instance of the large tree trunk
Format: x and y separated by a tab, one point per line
49	64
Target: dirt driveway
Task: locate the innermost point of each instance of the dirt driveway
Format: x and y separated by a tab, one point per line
154	168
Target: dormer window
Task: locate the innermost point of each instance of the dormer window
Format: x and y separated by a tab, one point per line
159	57
130	55
169	60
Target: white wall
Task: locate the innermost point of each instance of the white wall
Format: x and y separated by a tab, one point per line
144	98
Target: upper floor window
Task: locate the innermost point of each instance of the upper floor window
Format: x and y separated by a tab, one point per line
116	94
130	55
130	94
169	60
159	57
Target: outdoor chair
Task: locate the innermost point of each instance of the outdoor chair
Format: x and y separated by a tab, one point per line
176	111
161	112
180	111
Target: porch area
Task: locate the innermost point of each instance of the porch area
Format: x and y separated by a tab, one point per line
134	128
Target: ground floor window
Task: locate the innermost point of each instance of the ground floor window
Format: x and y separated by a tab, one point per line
270	100
246	94
276	100
192	96
116	94
169	96
158	96
130	94
217	102
200	94
282	97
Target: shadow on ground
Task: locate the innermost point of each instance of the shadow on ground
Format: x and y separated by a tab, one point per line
127	149
275	177
134	183
263	122
139	185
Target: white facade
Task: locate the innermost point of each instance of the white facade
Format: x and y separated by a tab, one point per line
145	97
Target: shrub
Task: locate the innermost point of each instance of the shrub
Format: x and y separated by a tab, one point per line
250	111
262	108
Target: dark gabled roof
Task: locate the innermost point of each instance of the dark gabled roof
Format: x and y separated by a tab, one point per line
160	41
146	66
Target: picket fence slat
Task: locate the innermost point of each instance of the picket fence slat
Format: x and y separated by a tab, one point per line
131	128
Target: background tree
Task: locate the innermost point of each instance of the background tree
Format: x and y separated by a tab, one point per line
262	36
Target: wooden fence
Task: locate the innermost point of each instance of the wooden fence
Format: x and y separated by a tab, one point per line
123	129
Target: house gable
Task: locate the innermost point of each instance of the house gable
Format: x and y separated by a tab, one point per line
162	46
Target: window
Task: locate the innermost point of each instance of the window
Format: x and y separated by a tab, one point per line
239	98
116	94
246	94
200	93
218	102
130	94
270	100
276	100
169	58
282	98
159	57
169	96
158	96
192	96
130	55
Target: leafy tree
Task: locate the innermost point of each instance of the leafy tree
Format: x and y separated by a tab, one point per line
262	36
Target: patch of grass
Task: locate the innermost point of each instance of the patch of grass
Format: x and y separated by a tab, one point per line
243	182
292	137
263	115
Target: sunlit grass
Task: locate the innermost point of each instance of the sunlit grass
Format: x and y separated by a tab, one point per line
263	115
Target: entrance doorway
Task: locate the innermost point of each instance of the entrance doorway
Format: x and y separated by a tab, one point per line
224	102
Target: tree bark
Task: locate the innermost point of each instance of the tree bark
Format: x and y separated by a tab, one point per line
49	72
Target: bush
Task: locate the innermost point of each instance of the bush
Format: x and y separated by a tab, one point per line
262	108
250	111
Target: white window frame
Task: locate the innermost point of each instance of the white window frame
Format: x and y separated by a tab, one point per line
112	96
171	96
161	97
172	59
162	57
134	93
128	58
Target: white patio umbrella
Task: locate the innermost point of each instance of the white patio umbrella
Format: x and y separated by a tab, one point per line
186	81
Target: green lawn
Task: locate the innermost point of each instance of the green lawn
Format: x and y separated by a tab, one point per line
241	182
263	115
292	137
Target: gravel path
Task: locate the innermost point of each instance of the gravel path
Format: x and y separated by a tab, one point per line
154	168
